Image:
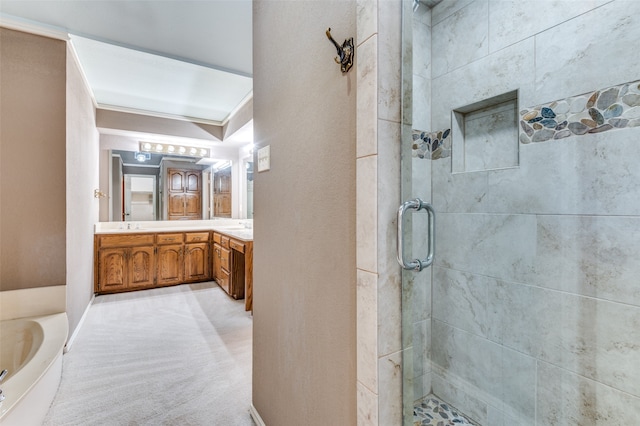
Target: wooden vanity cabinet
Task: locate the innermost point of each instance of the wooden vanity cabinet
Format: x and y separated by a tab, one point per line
196	257
229	265
170	259
129	261
124	262
221	262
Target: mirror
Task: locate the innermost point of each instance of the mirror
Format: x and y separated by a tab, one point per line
148	186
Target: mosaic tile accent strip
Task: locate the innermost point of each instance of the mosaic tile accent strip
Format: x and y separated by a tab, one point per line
616	107
433	412
431	145
600	111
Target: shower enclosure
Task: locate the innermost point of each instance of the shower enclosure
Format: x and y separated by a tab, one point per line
521	129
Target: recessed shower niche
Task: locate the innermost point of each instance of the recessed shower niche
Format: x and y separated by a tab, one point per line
485	134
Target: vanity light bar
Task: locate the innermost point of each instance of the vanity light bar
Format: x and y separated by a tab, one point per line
165	148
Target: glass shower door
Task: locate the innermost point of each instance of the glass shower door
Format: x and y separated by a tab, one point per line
520	130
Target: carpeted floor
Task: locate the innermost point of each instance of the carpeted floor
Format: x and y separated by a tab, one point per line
170	356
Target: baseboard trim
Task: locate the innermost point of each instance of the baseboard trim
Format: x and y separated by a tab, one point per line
256	416
67	347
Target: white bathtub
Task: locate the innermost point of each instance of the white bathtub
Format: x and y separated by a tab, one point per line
31	350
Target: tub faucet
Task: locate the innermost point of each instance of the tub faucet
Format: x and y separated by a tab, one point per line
2	375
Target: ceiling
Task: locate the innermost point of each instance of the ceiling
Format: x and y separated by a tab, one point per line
179	59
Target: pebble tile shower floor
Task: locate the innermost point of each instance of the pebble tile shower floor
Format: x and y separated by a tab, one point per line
433	412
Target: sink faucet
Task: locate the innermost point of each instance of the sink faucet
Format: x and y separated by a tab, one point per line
2	375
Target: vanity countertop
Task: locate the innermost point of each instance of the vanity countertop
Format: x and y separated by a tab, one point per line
232	227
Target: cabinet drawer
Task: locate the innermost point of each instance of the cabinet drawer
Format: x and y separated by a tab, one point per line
216	237
224	258
197	237
224	241
170	238
125	240
223	281
237	245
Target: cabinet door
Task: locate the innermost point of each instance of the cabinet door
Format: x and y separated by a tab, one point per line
193	181
176	205
170	264
142	267
112	274
225	255
219	275
196	262
215	261
193	205
176	180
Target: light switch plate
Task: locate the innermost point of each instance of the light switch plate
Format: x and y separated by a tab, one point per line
264	158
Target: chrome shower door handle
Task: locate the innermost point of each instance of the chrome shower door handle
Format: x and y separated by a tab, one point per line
417	265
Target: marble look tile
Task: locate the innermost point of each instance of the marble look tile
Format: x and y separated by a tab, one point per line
587	52
421	348
571	177
367	19
450	392
390	389
422	295
496	417
389	273
519	390
422	15
462	300
367	406
590	185
478	370
487	375
592	256
459	192
490	137
488	244
421	102
388	194
421	387
588	255
367	103
421	49
366	213
512	21
389	314
389	56
588	342
450	50
367	329
420	184
565	398
507	70
407	53
446	8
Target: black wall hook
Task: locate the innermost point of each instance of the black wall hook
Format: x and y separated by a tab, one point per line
345	52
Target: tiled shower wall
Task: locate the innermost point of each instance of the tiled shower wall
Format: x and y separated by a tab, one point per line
379	350
536	300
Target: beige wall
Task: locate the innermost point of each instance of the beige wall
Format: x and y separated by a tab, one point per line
32	161
82	179
304	349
